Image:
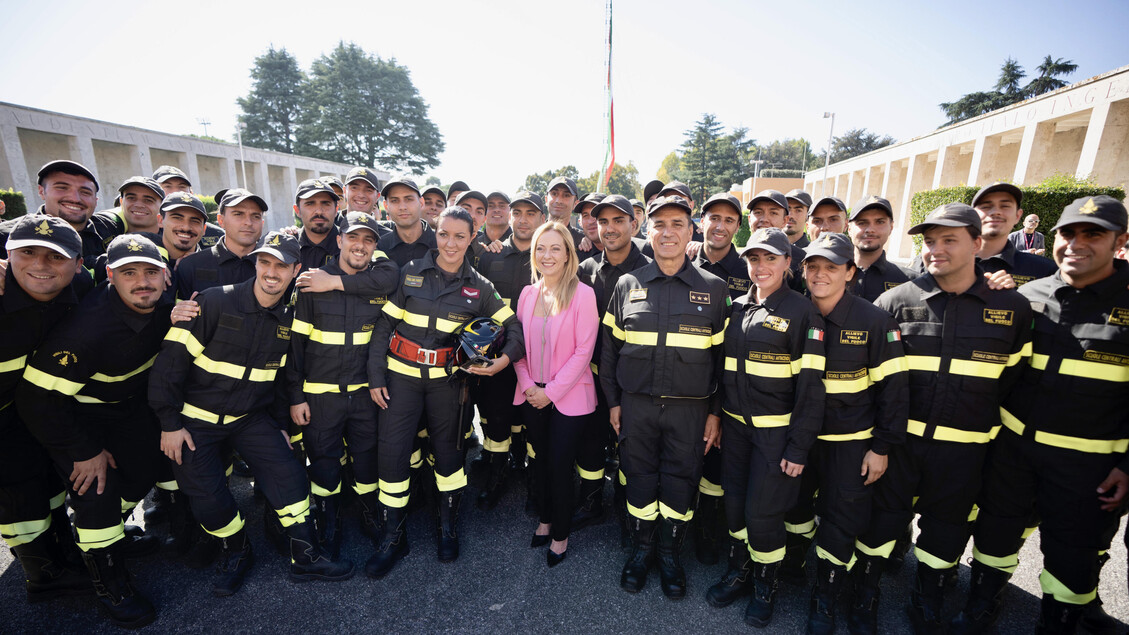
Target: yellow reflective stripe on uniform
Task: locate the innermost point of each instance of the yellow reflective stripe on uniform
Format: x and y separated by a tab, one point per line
189	410
168	486
810	362
1094	370
718	338
594	367
668	512
447	326
769	369
731	364
13	364
57	500
50	382
1005	563
365	488
932	561
227	369
99	538
765	421
450	483
1039	361
393	488
314	388
318	490
846	386
849	436
185	337
642	338
889	367
503	314
1010	422
767	557
393	311
294	513
609	321
1014	358
229	529
589	475
329	338
397	366
820	552
649	511
491	445
742	535
685	340
974	368
389	500
301	327
23	532
1092	446
86	399
803	529
945	433
882	551
930	363
1053	586
108	379
709	488
262	374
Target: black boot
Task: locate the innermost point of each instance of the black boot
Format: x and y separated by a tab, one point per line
119	599
735	582
619	499
1058	617
761	605
1094	618
634	576
392	545
590	510
518	452
275	533
532	485
901	548
181	522
446	531
705	523
794	569
204	550
137	543
984	596
327	520
68	551
157	511
308	561
824	595
672	534
235	561
371	516
866	576
498	465
927	600
46	575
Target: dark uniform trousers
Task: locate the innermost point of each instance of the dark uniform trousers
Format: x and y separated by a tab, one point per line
338	421
591	453
660	447
844	502
495	396
29	485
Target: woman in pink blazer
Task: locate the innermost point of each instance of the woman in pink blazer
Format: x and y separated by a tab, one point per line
554	381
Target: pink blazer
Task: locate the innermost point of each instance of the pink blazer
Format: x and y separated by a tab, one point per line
573	331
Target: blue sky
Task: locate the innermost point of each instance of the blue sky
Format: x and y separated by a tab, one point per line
516	87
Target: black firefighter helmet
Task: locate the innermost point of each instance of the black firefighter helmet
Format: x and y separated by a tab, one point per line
475	342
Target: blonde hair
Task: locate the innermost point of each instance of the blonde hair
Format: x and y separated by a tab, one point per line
565	288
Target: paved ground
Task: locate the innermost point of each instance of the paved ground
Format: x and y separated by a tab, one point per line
498	584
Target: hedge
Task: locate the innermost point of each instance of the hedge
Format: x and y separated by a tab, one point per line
210	206
1046	200
14	204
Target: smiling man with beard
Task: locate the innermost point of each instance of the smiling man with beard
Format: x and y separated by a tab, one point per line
871	223
315	204
173	179
998	206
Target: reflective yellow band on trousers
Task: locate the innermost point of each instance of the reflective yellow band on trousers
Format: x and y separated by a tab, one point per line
99	538
647	512
767	557
1052	586
294	513
850	436
318	490
800	528
709	488
1093	446
765	421
451	483
229	529
668	512
1006	564
491	445
932	561
588	475
881	551
944	433
397	366
189	410
23	532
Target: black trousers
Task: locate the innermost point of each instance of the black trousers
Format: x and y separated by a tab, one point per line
1060	484
29	485
495	398
945	476
258	439
399	427
555	438
844	502
661	447
337	420
592	452
710	483
134	440
757	492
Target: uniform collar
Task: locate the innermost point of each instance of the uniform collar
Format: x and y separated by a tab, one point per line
930	288
772	302
429	262
842	310
134	320
1105	289
729	262
685	274
396	240
1007	255
304	240
223	254
245	299
630	263
880	264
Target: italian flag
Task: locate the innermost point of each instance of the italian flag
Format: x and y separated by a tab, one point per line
893	336
815	334
609	133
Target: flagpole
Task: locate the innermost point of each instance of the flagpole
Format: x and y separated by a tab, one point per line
609	132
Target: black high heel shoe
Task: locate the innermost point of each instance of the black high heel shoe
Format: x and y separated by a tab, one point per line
539	541
553	559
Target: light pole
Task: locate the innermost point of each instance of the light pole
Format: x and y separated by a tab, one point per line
827	162
756	173
239	127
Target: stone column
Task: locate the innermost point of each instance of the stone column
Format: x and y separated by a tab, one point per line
232	174
901	215
143	160
82	147
262	177
977	157
193	170
1025	147
886	179
19	178
1089	156
941	155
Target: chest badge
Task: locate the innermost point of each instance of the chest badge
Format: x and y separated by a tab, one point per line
413	281
776	323
1119	316
1001	317
635	295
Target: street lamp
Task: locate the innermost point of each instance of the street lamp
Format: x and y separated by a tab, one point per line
239	128
827	162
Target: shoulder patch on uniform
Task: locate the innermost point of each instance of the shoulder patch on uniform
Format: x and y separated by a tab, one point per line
637	294
1002	317
283	332
1118	316
776	323
65	358
471	292
815	334
1021	280
894	336
700	297
890	285
413	281
857	338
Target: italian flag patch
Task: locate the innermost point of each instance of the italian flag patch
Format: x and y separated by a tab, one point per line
815	334
893	336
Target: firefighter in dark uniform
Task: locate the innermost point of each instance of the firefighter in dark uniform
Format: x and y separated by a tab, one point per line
173	179
769	209
659	369
867	405
411	346
229	260
315	204
870	224
799	202
721	219
84	398
588	227
40	289
216	383
509	272
1066	427
617	227
328	376
999	207
772	399
140	198
964	345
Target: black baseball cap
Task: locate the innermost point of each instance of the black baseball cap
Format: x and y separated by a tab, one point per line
529	198
723	197
310	187
66	167
999	186
332	181
237	195
949	215
498	194
614	202
475	194
652	188
400	180
282	246
183	199
801	196
828	200
871	202
433	190
145	182
565	181
457	186
363	174
676	187
772	196
129	248
36	230
355	221
637	203
589	199
166	172
770	239
1103	211
668	201
835	247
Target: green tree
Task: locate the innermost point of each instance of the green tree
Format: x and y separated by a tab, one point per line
364	110
1011	73
671	168
539	183
624	181
1007	90
701	153
790	154
734	153
272	108
1048	78
432	180
853	143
